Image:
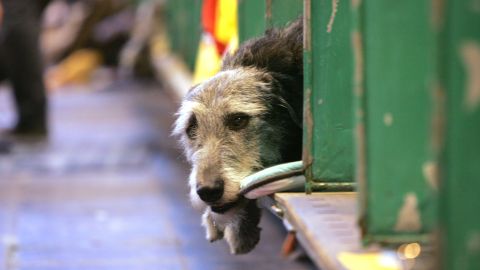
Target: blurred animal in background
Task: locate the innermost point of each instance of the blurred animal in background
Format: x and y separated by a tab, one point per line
243	119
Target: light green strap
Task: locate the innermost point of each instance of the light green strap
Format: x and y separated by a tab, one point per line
271	174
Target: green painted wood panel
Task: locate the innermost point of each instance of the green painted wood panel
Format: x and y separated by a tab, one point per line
398	197
184	28
251	19
460	204
255	16
280	12
328	66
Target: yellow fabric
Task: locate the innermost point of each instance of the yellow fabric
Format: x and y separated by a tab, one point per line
226	20
233	45
370	261
208	61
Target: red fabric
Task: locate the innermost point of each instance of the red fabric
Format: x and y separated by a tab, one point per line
209	8
220	47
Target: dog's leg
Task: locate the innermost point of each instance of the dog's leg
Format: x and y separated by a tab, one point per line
213	231
243	234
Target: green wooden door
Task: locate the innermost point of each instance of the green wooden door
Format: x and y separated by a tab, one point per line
328	67
460	204
255	16
396	155
251	19
184	28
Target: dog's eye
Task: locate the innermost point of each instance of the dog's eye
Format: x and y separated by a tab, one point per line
237	121
192	127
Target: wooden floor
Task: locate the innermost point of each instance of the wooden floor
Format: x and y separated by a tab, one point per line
327	226
108	191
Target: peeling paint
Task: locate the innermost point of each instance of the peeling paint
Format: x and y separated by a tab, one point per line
473	242
360	137
438	117
332	15
358	63
360	113
470	52
408	219
307	32
475	6
430	173
388	119
320	101
307	113
438	7
268	12
356	3
361	173
307	157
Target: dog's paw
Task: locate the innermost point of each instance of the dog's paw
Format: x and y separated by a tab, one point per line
213	232
214	235
242	243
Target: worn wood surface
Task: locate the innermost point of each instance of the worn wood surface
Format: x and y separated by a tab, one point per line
328	69
399	48
460	167
325	224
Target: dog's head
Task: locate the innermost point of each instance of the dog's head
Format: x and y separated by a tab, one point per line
229	129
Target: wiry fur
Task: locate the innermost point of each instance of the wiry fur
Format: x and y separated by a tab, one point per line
264	80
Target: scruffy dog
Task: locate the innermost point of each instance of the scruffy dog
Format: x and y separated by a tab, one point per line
245	118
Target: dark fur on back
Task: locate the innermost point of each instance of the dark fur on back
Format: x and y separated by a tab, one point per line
280	53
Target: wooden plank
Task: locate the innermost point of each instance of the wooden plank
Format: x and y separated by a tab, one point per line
399	198
325	224
251	19
460	170
255	16
184	28
328	67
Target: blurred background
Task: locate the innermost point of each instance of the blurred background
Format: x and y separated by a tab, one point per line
90	177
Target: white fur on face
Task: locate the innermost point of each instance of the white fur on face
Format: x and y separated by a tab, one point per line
217	151
194	199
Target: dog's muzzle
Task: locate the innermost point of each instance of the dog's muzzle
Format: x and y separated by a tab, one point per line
211	193
221	209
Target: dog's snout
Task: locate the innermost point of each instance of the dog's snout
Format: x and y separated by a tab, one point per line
211	193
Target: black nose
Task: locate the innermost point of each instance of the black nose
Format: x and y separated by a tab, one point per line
211	193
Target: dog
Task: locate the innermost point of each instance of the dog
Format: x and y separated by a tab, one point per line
245	118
